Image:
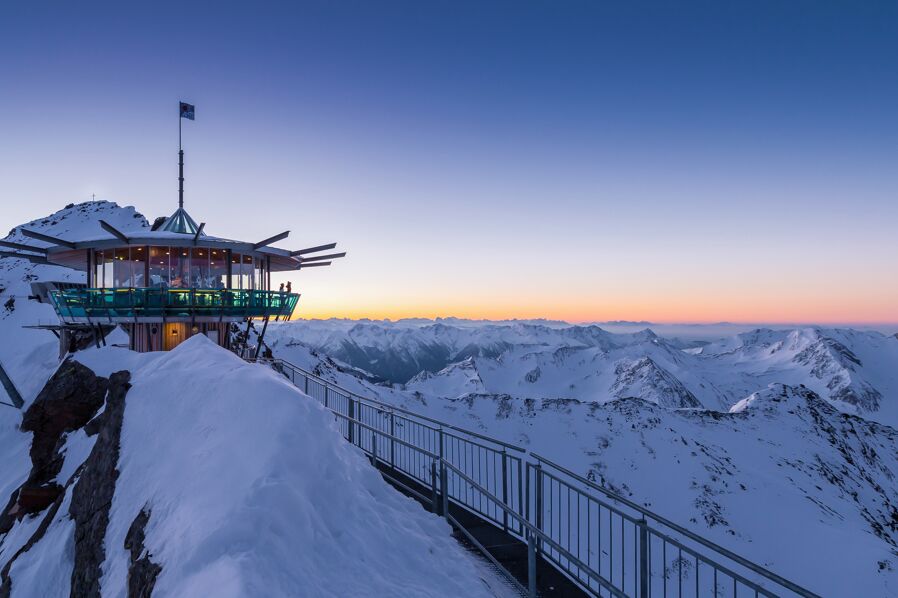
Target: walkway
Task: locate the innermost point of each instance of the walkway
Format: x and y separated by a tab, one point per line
550	531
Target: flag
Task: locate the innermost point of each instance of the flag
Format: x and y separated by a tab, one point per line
187	110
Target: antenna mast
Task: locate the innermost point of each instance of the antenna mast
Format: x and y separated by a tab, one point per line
180	167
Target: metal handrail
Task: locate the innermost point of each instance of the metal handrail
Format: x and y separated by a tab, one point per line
679	529
528	530
388	407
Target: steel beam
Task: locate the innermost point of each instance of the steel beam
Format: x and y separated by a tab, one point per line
114	232
23	247
312	265
34	259
271	240
47	238
312	249
199	231
328	256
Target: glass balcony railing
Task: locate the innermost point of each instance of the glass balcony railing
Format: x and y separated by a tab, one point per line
89	304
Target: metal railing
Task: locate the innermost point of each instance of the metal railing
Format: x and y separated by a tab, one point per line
602	542
82	304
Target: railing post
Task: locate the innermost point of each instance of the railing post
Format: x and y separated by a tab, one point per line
538	498
307	384
434	504
531	564
351	409
644	559
392	440
444	487
373	448
505	489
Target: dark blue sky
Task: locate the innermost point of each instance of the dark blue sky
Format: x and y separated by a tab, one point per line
647	144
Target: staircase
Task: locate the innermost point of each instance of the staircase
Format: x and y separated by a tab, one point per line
548	530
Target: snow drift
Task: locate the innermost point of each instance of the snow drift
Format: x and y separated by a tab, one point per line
230	482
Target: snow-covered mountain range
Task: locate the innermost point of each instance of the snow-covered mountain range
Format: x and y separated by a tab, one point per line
778	444
854	370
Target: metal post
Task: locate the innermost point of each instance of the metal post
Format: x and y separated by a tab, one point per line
180	167
531	564
373	448
392	440
539	496
307	384
444	488
435	504
644	559
351	417
505	489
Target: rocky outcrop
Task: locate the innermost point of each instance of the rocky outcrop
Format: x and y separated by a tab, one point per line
142	572
69	400
92	495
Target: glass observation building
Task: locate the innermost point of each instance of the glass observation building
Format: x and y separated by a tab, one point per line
164	285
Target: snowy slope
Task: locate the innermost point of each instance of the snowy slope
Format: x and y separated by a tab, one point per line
249	490
29	356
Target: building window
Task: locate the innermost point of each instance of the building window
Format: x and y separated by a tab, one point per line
180	267
108	268
138	267
98	269
159	262
121	268
218	269
199	269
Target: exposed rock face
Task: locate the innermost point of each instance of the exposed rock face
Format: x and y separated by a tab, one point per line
70	399
143	572
92	495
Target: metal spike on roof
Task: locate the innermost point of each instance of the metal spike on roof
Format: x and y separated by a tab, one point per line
180	222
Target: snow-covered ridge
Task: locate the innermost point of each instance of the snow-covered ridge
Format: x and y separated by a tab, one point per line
239	485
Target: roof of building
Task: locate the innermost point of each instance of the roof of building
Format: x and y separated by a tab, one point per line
178	230
180	222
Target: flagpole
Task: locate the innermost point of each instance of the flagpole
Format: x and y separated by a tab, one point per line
180	165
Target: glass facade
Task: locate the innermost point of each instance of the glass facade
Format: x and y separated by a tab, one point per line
218	269
177	268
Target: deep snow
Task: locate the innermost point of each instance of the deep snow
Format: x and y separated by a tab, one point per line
252	491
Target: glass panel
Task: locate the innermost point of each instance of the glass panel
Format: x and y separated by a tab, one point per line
180	267
248	271
159	267
199	269
236	271
138	266
218	269
259	275
108	256
98	269
121	268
